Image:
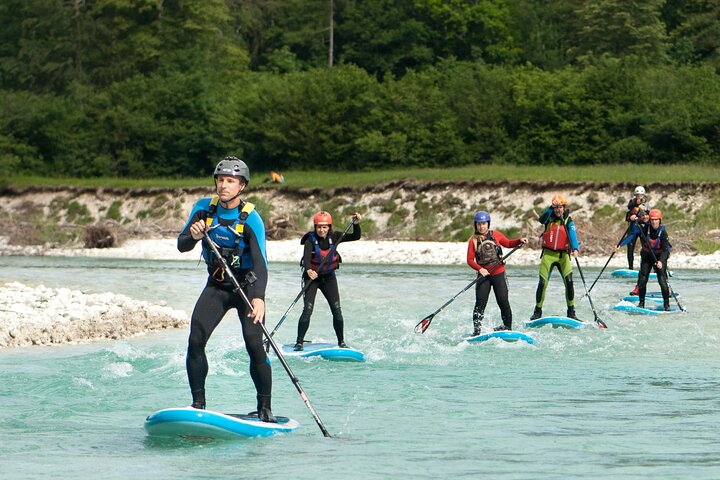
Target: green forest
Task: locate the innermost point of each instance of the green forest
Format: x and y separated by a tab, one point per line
165	88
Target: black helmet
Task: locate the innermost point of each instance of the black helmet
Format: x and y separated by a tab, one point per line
233	166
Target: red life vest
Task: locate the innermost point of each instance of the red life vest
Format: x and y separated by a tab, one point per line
487	251
655	245
319	255
556	237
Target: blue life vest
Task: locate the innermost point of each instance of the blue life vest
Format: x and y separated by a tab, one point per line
229	238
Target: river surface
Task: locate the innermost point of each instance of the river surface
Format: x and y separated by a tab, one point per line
638	400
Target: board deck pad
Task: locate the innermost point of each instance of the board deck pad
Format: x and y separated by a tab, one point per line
326	350
191	422
635	298
652	309
627	273
556	322
506	335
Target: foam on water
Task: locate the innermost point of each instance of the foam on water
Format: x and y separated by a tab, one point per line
638	400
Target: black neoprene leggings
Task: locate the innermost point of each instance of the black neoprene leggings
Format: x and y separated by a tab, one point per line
329	287
500	286
631	252
209	310
647	264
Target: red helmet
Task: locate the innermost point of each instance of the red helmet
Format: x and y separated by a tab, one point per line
322	218
655	214
558	200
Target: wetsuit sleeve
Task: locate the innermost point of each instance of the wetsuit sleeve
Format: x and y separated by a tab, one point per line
574	245
257	252
185	242
544	217
307	253
634	232
665	245
630	206
350	237
504	241
471	255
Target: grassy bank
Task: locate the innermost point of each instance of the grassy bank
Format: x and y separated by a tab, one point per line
303	179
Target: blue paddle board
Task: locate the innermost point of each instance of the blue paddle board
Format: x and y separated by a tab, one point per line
507	335
556	322
635	298
656	309
624	272
195	423
655	294
328	351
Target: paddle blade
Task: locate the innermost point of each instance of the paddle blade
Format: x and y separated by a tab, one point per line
424	324
600	323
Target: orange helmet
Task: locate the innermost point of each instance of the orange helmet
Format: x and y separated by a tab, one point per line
558	200
655	214
322	218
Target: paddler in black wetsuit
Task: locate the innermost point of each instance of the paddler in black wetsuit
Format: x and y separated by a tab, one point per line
637	204
318	245
653	236
237	229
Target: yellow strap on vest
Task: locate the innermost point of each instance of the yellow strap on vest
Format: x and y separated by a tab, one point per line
247	209
213	206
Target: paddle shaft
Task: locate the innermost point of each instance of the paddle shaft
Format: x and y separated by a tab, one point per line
307	285
479	278
600	323
627	230
239	291
662	271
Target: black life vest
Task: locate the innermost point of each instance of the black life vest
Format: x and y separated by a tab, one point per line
487	251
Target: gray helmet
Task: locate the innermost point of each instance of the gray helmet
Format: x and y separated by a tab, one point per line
233	166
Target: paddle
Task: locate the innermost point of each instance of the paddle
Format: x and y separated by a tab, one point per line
425	322
661	271
600	323
239	291
608	261
307	285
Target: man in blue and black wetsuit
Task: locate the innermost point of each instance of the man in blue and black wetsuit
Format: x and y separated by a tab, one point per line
239	233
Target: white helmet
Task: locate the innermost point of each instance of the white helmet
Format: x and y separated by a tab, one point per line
639	191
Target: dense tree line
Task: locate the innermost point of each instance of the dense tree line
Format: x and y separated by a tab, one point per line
149	88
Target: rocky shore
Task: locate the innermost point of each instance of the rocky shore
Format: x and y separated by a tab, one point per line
47	316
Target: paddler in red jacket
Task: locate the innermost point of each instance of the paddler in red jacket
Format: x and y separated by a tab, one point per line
484	250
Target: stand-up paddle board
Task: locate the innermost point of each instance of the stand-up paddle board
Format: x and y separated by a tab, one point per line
195	423
507	335
635	298
627	273
655	309
556	322
654	295
328	351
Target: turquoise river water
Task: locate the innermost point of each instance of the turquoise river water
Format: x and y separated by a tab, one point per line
638	400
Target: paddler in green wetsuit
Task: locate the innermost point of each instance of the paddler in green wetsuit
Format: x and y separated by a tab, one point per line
559	242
